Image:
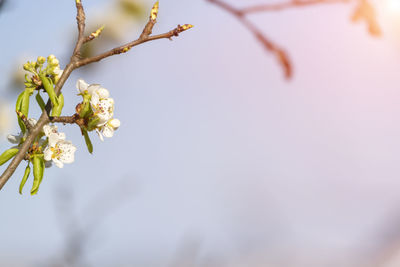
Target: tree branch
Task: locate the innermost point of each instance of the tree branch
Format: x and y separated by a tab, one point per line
280	53
287	5
275	49
76	62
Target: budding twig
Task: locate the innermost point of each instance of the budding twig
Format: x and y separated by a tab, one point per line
94	34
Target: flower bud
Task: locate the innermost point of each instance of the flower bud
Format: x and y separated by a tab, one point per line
41	60
51	58
27	66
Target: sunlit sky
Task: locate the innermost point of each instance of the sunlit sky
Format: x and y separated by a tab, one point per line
215	146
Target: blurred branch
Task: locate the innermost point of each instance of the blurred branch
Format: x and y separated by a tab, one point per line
364	11
287	5
78	231
77	61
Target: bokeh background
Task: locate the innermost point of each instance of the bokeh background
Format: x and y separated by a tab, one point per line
219	160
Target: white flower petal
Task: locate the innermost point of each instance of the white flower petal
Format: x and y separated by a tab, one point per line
99	134
93	88
14	139
115	123
47	154
32	121
58	163
68	150
81	85
107	131
103	93
49	129
53	139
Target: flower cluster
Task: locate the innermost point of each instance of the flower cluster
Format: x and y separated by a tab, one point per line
94	113
49	147
98	108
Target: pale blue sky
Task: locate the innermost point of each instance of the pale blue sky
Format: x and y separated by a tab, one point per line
214	145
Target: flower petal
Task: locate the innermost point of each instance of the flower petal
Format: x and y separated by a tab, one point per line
53	139
47	154
115	123
49	129
99	134
58	163
107	131
93	88
14	139
103	93
68	150
81	85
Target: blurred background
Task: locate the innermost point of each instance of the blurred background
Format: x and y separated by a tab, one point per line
219	160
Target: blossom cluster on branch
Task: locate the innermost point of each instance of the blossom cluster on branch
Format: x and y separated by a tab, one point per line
40	143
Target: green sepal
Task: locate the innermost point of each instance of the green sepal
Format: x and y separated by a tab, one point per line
7	155
40	101
38	171
25	178
57	110
93	123
85	109
48	86
87	141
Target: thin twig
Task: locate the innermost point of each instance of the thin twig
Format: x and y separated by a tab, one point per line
125	48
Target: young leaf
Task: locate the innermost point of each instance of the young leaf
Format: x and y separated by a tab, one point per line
48	86
25	178
7	155
56	112
18	108
19	100
38	171
25	103
40	101
87	140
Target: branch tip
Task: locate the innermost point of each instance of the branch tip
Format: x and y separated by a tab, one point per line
154	11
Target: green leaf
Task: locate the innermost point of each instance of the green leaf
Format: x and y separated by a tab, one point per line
19	100
40	101
25	102
7	155
93	123
38	171
18	108
87	140
57	110
48	86
25	178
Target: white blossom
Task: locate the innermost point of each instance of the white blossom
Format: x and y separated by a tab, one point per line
59	150
108	128
103	108
53	129
84	87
